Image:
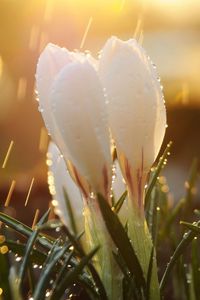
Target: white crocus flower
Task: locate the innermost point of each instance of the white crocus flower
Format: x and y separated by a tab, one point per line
59	180
72	104
136	109
74	110
137	118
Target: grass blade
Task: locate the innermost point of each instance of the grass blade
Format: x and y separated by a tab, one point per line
116	208
29	248
25	230
72	275
36	256
192	227
16	295
149	274
157	171
195	267
46	274
93	272
186	240
122	242
70	212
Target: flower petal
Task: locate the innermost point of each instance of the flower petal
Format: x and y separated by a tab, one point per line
58	180
136	107
51	61
78	109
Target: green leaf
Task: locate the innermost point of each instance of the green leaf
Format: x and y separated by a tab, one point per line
16	295
192	227
190	282
36	256
152	215
116	208
72	275
121	264
29	248
149	274
16	225
91	291
55	248
186	240
26	231
63	270
195	267
93	272
31	278
47	273
122	242
70	212
130	290
156	173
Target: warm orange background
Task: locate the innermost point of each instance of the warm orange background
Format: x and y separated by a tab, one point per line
171	36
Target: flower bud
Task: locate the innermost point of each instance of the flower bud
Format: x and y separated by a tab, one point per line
60	182
136	109
73	108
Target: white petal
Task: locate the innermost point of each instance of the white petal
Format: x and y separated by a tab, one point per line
59	179
118	185
81	57
78	108
51	61
137	112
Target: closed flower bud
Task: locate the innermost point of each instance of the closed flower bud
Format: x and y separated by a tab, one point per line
60	184
136	109
74	112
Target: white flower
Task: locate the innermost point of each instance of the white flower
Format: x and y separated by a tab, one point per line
136	109
59	180
73	108
50	62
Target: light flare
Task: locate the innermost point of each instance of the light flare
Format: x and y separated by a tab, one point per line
10	192
86	32
35	219
29	192
7	154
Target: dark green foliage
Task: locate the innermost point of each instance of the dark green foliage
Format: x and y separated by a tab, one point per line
51	264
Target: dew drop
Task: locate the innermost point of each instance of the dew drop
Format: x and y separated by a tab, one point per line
18	259
153	65
35	266
58	229
40	109
47	293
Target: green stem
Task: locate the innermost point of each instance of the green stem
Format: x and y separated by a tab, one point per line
142	244
97	234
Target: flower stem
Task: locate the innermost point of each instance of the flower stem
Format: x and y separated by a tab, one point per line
142	244
97	234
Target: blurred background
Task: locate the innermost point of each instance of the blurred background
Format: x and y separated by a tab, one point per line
168	29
